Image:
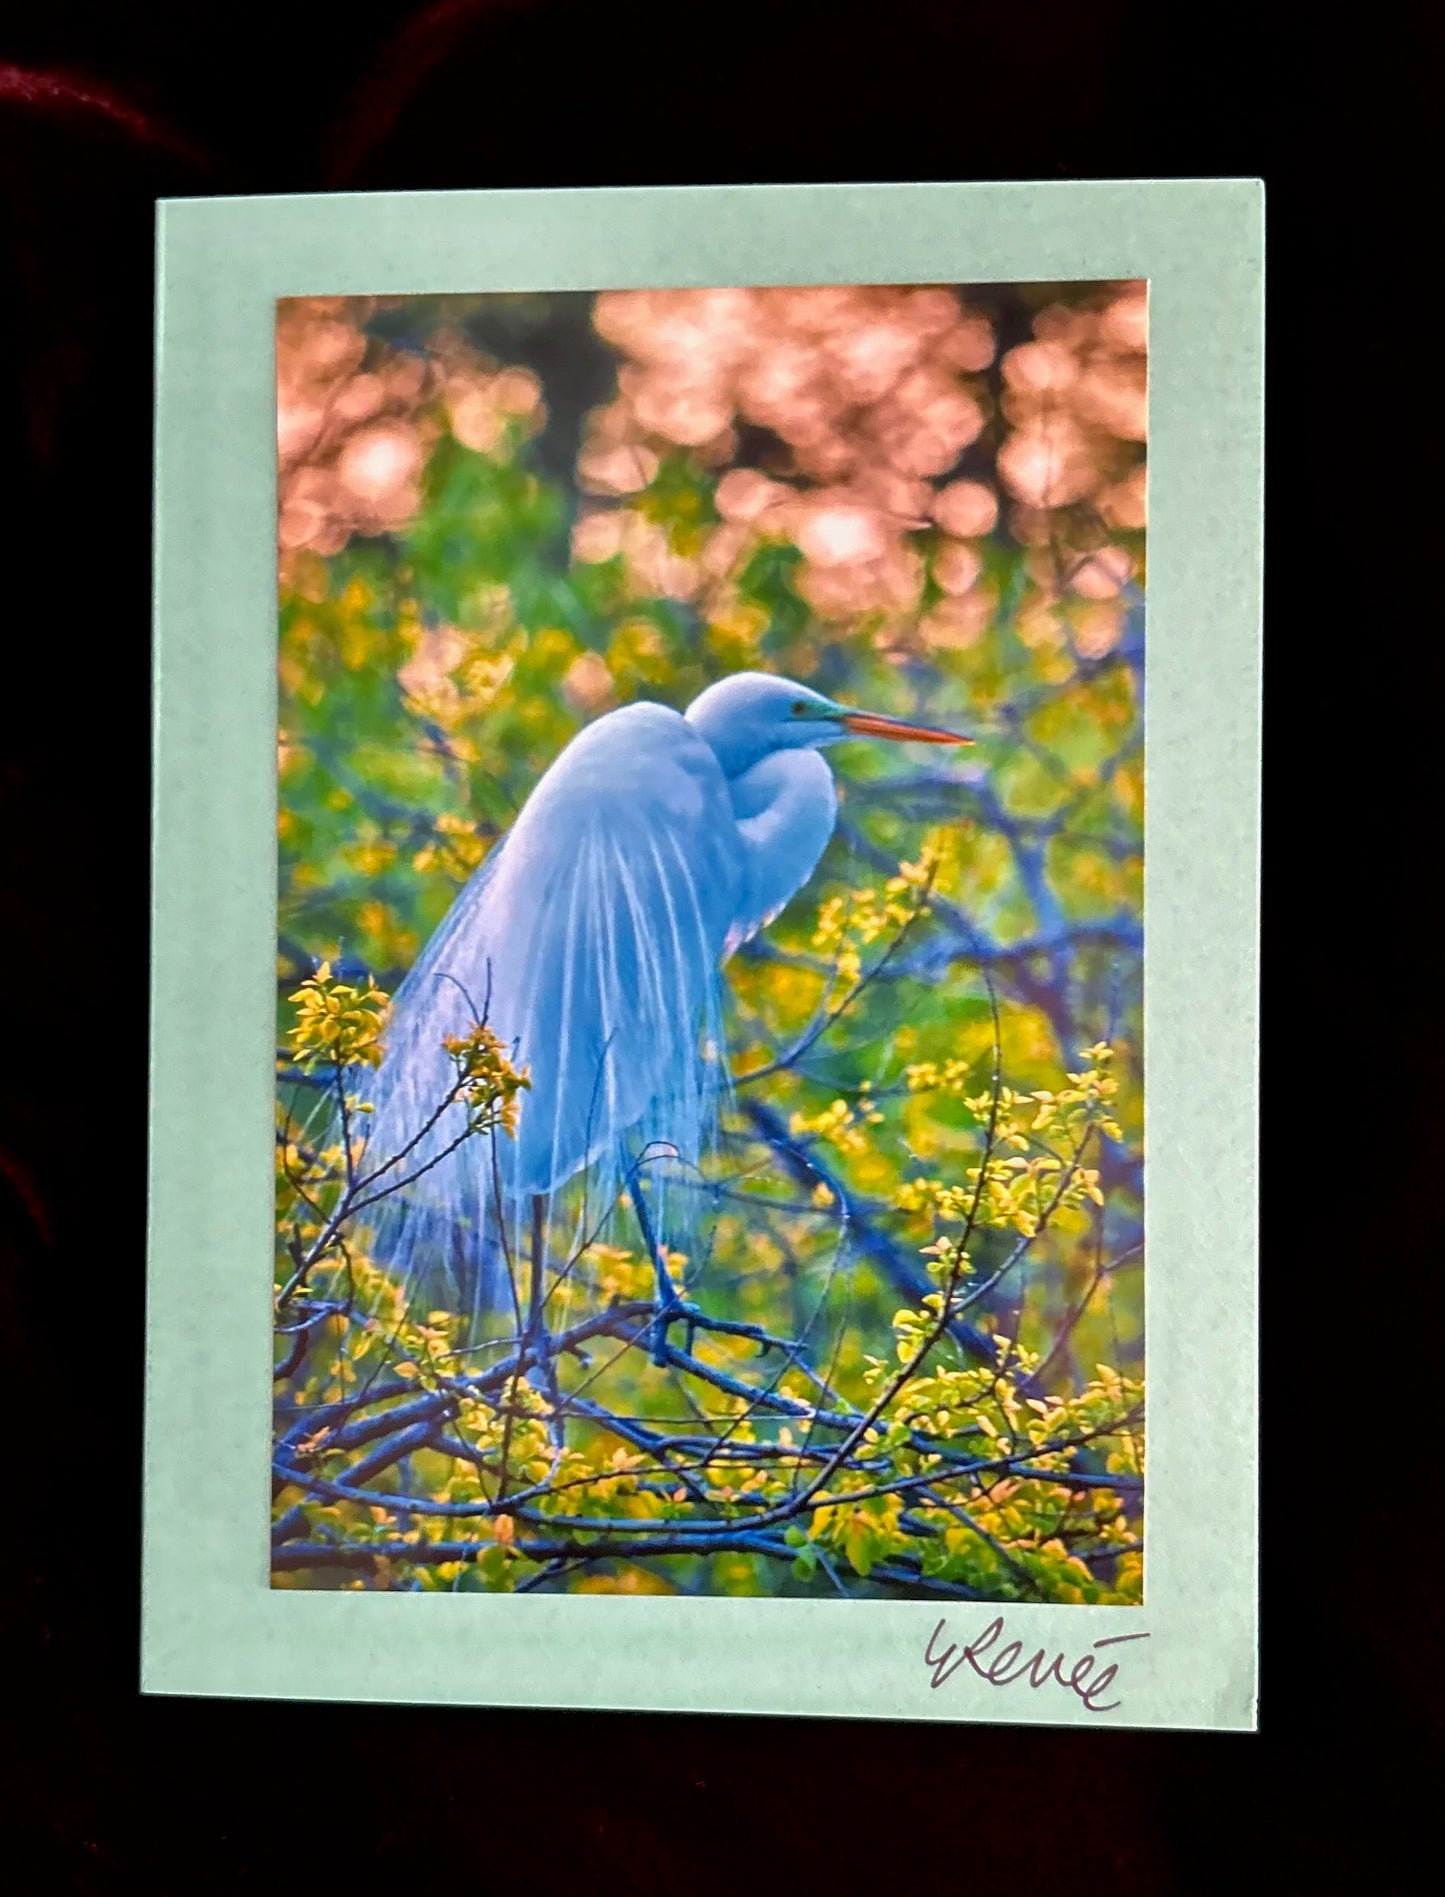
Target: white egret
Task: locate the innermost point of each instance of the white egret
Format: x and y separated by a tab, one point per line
591	940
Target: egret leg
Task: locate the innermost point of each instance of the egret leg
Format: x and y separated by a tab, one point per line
670	1306
536	1322
534	1305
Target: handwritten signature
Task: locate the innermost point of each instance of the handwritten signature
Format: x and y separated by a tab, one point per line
1008	1664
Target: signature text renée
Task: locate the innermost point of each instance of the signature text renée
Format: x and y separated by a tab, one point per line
1003	1665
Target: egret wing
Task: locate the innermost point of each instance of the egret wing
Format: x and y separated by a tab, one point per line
590	943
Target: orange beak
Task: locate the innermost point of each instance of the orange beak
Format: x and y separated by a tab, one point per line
867	725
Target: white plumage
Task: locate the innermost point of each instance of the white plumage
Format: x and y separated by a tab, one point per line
591	941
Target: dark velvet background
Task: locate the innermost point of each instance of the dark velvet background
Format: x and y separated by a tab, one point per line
102	109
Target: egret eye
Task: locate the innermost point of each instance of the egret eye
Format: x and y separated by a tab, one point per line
800	705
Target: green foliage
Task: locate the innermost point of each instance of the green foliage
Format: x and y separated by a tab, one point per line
336	1025
937	1143
923	1470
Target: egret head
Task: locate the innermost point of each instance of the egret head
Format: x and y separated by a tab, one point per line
752	714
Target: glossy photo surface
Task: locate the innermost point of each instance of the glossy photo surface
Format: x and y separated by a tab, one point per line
709	1074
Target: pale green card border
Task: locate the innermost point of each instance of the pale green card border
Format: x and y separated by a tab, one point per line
211	1623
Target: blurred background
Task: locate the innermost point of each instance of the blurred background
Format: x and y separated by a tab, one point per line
500	516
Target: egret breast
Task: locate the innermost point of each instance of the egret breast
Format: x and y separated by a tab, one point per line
785	807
